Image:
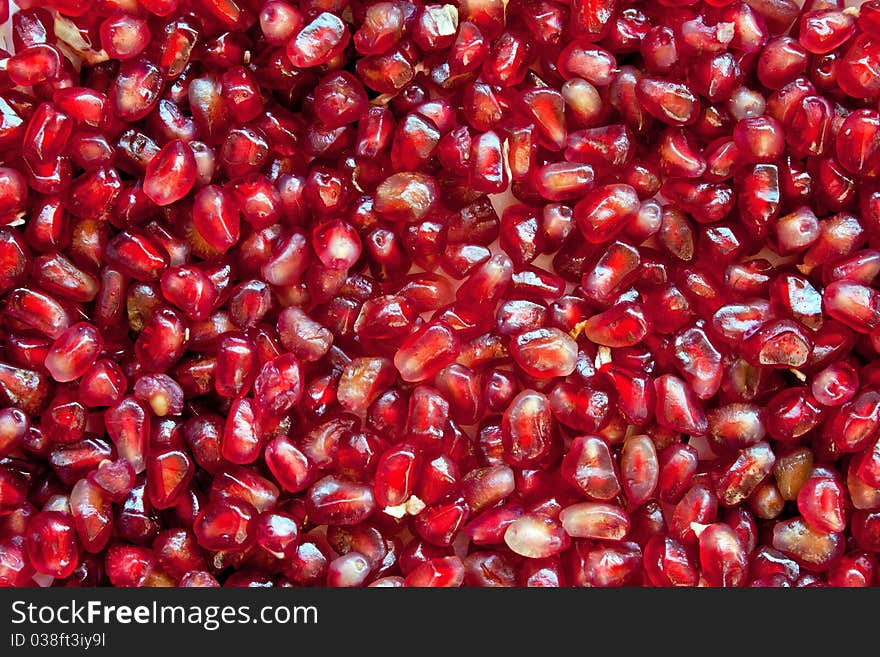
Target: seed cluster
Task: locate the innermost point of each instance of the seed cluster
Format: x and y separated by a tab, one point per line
396	293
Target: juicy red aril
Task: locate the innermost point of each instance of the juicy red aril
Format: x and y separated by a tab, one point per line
722	555
52	546
424	352
35	64
124	36
226	524
544	353
73	353
318	41
215	217
588	465
396	475
334	501
536	537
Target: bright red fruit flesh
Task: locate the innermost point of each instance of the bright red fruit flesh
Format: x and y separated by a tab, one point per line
527	293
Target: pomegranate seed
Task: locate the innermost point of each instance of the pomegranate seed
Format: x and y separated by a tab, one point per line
226	524
835	385
595	520
855	569
677	406
855	146
124	36
605	210
779	343
334	501
857	66
544	353
639	469
136	89
813	550
137	255
396	475
52	546
241	437
821	503
678	465
854	304
14	425
437	572
127	427
362	381
605	565
318	41
35	64
722	556
667	563
74	352
589	466
215	217
426	351
748	467
115	478
92	516
536	537
583	409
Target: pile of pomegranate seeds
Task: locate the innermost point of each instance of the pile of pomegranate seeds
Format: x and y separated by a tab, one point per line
389	293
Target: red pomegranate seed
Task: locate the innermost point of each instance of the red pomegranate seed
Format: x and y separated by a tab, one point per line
527	428
722	556
92	514
813	550
595	520
74	352
115	478
536	537
791	413
124	36
168	475
779	343
835	385
667	563
215	217
318	41
334	501
127	426
424	352
639	469
678	464
855	146
35	64
737	479
855	305
241	437
605	565
52	546
605	210
226	524
821	503
677	406
136	89
396	475
856	72
437	572
14	425
589	466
